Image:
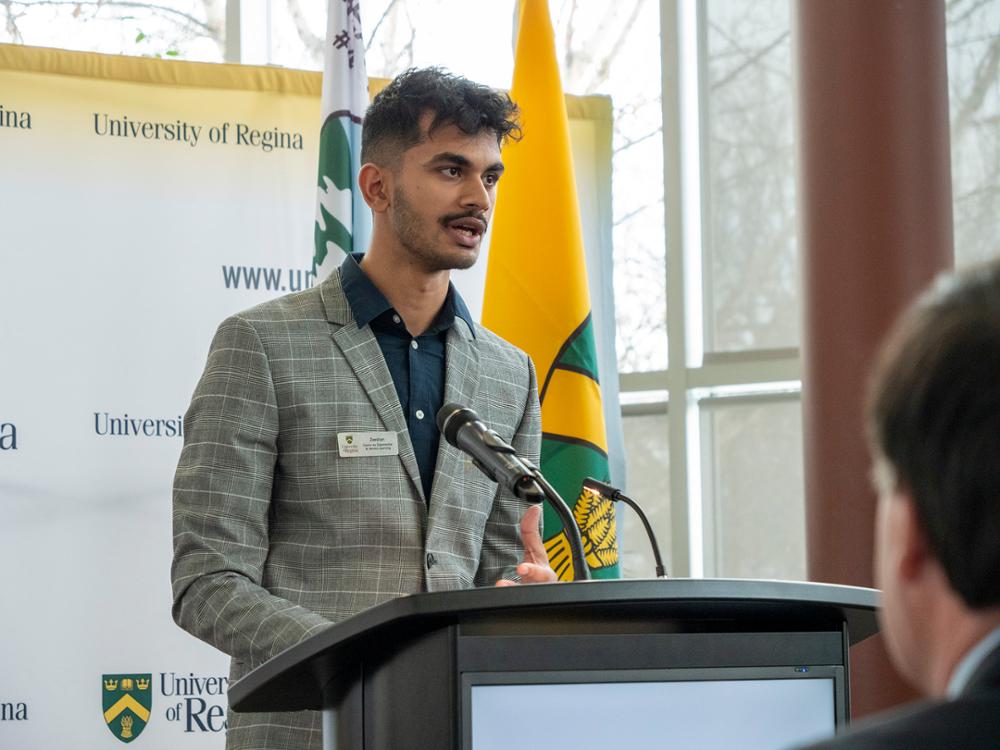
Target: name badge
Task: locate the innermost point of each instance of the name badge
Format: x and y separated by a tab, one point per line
356	444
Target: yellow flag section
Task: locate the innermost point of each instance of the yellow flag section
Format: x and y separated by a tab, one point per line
536	296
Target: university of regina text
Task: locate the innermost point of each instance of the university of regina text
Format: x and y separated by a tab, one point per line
126	426
8	436
268	277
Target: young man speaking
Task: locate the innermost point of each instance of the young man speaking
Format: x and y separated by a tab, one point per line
313	483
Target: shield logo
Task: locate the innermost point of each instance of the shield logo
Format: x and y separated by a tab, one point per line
349	439
127	701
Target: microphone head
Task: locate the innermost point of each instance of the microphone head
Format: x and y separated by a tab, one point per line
601	488
450	419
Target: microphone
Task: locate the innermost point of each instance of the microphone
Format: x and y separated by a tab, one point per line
614	494
498	460
463	429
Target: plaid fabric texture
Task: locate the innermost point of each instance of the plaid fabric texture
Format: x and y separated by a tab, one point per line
276	536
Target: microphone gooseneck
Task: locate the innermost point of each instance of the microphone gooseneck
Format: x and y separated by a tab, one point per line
615	494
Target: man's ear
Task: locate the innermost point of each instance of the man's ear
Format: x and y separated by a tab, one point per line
375	183
914	548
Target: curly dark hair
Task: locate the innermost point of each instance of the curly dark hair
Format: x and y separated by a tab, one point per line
934	416
392	122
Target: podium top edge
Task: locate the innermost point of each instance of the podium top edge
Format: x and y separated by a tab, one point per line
856	605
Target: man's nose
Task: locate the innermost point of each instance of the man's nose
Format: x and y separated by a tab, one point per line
476	195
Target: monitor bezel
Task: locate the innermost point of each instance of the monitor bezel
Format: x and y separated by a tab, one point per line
684	674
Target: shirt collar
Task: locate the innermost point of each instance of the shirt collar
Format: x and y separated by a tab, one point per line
970	663
367	302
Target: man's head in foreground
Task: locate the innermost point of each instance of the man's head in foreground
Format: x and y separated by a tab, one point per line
431	161
934	424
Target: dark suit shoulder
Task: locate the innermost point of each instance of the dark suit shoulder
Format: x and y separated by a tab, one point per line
970	722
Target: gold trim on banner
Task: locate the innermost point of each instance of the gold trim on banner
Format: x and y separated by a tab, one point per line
215	75
152	70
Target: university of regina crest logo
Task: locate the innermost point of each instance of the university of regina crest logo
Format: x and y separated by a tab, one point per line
127	700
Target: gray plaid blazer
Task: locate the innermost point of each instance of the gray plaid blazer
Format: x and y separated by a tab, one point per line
276	536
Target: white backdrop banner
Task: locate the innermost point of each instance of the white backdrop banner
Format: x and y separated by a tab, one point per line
141	202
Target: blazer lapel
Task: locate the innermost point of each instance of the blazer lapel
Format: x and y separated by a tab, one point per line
460	384
361	350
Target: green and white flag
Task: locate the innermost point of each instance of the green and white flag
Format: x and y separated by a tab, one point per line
343	220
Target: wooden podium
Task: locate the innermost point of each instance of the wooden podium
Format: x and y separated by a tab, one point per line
434	670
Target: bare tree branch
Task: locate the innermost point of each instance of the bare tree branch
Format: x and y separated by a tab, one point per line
984	79
215	17
626	216
408	47
378	25
98	5
11	23
313	42
570	54
953	6
749	61
604	68
629	143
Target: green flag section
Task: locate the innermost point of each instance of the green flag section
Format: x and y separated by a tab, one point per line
567	460
343	221
336	192
127	701
537	296
594	514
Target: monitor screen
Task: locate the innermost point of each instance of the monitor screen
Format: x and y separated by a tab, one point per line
751	709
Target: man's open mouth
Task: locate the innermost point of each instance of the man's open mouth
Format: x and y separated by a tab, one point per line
467	231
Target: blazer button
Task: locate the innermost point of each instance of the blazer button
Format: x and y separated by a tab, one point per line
431	560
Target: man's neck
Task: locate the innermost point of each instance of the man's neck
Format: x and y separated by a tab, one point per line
416	294
955	637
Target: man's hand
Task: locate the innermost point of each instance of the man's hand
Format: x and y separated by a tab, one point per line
535	566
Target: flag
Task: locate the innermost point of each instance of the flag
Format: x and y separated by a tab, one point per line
537	298
343	220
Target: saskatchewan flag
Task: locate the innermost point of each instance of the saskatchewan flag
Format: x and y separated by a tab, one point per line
537	298
342	218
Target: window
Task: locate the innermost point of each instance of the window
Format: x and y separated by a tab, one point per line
183	29
974	99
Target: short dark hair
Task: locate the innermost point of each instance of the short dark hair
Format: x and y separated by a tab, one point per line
392	122
934	415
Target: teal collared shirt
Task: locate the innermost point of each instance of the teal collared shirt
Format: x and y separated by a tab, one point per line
416	363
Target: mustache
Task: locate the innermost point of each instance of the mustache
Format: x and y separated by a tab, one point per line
480	215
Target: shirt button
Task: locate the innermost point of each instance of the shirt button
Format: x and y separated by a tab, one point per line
396	319
414	344
420	413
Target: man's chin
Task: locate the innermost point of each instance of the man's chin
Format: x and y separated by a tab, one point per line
467	259
458	259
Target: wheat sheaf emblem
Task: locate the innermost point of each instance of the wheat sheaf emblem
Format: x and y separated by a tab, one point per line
595	515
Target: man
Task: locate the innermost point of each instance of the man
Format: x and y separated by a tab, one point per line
934	421
313	483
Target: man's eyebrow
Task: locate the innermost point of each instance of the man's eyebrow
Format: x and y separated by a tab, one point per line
448	157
